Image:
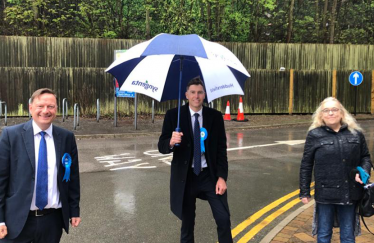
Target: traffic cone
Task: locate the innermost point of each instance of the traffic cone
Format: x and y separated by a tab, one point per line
227	116
240	117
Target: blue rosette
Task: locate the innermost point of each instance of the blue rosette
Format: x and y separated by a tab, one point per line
66	162
203	136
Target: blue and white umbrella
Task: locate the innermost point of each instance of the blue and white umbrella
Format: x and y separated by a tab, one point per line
161	68
153	67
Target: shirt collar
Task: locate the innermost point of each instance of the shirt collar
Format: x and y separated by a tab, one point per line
200	112
37	129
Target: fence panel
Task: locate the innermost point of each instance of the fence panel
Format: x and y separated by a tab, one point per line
74	68
346	92
310	88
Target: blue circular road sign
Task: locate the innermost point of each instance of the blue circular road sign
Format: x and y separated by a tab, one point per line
356	78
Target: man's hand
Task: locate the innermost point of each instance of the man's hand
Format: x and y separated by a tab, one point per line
358	179
306	200
3	231
221	186
176	138
75	221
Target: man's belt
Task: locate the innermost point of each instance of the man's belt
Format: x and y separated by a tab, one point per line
38	213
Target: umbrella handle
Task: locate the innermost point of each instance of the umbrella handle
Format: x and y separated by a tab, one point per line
178	129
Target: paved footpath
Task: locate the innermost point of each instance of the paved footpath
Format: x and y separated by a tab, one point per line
297	228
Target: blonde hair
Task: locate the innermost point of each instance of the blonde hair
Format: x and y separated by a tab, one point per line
347	118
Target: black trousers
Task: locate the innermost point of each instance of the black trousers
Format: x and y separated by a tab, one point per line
43	229
197	186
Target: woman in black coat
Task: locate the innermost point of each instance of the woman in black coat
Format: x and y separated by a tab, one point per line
334	146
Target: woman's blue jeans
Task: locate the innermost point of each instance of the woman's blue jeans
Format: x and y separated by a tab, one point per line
346	216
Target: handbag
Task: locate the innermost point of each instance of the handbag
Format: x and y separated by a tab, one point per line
366	205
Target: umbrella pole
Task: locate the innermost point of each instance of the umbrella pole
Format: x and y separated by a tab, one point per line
178	129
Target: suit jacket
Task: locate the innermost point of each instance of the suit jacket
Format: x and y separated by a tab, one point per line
215	147
17	175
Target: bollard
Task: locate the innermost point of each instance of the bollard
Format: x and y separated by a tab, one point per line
6	114
97	110
115	110
136	111
153	111
64	109
29	109
76	116
5	111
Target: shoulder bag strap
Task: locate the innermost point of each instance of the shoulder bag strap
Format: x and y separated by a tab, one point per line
366	225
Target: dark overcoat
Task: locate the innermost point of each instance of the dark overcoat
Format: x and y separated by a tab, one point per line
215	146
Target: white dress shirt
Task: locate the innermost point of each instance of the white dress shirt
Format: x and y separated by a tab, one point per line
53	193
200	112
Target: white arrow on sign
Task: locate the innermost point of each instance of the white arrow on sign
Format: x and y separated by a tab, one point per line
356	76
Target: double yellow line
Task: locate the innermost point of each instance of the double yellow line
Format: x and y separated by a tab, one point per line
257	228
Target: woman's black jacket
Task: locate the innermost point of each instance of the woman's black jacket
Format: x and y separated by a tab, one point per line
335	156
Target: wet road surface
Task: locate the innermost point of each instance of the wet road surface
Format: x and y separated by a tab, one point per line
125	185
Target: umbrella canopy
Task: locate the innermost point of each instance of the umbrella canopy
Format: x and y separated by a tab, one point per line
156	67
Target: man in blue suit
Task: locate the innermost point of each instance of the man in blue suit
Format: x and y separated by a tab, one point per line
39	176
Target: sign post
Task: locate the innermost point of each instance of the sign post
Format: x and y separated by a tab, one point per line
121	93
356	78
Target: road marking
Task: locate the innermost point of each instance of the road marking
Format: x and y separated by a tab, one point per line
288	142
115	158
250	220
127	162
166	160
138	166
248	236
110	157
122	159
110	161
118	159
154	154
168	157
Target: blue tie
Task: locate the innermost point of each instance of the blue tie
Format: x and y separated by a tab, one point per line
41	199
197	147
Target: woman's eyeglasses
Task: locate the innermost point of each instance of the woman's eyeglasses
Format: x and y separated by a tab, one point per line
332	110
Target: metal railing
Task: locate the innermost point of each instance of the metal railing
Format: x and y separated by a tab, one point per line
5	111
64	109
76	116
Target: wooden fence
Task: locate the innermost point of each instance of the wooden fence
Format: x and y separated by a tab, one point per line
74	68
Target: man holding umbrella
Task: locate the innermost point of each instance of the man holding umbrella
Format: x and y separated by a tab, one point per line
199	167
